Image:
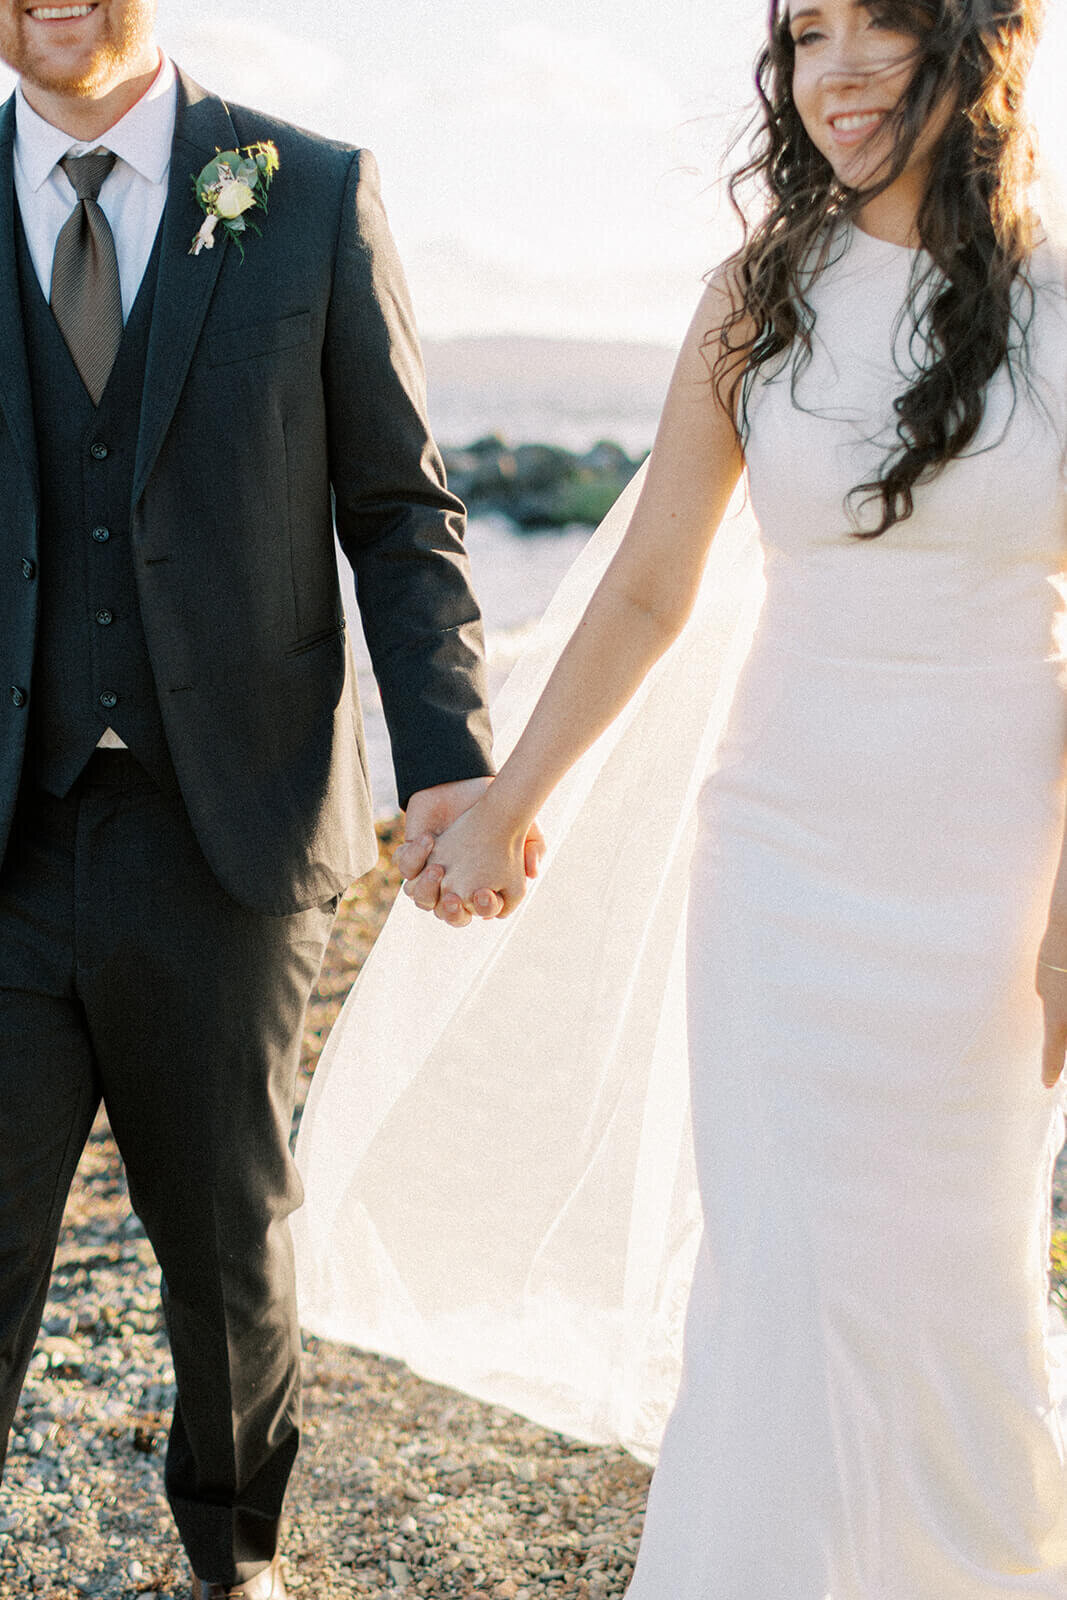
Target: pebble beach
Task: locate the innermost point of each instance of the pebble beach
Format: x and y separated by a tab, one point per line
400	1488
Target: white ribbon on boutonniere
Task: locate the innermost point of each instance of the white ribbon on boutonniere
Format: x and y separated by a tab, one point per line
233	185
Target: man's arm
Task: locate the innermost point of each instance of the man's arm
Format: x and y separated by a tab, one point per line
399	527
402	532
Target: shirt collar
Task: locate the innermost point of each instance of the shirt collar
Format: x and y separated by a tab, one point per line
142	138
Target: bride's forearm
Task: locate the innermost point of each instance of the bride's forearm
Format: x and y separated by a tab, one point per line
1057	914
648	590
616	643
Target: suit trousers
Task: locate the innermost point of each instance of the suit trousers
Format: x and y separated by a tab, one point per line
128	975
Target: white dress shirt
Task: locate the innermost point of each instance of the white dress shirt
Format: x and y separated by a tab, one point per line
134	192
132	197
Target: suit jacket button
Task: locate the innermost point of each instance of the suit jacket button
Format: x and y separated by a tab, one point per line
18	696
29	568
105	617
101	535
108	700
98	451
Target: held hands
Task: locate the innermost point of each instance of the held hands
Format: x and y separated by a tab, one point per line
449	835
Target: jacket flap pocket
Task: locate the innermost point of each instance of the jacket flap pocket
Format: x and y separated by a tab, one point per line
258	338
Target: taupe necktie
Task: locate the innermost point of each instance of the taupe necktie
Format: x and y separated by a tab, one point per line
86	292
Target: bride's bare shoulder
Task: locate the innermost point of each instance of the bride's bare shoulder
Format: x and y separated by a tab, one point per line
716	347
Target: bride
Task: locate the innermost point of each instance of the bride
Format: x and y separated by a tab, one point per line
864	786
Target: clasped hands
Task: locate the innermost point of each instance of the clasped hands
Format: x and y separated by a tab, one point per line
461	861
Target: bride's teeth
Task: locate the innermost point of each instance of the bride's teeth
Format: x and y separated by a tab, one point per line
866	119
60	13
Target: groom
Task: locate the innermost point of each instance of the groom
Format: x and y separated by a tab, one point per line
183	789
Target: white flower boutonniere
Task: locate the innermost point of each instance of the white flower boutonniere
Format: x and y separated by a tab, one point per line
232	185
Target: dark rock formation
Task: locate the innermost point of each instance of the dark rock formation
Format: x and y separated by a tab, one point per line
539	486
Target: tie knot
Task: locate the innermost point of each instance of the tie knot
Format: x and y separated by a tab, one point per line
87	173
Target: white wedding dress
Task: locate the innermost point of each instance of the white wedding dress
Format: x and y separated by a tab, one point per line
497	1150
866	1410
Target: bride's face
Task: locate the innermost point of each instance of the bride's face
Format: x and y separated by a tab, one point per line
851	67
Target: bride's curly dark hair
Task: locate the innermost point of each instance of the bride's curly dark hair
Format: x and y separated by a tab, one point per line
974	223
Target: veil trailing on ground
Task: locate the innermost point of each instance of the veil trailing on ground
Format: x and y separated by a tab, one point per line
500	1185
496	1148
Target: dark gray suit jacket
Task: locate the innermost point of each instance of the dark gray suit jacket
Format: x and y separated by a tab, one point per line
281	393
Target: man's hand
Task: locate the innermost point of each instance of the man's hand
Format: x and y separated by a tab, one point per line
429	813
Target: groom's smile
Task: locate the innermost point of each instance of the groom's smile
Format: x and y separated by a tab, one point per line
69	56
60	13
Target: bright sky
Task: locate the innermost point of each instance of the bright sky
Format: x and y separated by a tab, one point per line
547	167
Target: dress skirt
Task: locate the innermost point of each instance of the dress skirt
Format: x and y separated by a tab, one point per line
865	1405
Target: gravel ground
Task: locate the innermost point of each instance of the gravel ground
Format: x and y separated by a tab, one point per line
400	1486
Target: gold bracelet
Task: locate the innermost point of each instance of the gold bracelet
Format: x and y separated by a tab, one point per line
1050	968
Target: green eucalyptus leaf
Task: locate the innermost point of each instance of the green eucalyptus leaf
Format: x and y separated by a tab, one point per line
211	174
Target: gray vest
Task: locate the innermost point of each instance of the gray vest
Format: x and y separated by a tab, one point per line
91	665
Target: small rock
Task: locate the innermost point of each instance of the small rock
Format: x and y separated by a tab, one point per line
400	1573
35	1442
135	1570
407	1526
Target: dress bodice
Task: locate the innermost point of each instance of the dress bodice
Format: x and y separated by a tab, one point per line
965	579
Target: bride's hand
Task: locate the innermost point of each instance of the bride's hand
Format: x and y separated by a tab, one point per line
1052	987
479	854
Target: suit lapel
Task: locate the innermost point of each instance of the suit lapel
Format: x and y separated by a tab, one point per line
15	399
186	282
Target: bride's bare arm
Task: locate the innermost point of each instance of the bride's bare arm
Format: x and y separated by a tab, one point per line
638	608
1052	979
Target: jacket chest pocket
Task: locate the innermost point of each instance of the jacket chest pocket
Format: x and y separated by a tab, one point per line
226	345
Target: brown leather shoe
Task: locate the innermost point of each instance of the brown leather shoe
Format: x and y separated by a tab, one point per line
266	1585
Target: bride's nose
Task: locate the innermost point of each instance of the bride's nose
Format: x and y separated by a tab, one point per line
847	66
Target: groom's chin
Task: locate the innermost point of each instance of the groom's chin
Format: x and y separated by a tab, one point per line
78	58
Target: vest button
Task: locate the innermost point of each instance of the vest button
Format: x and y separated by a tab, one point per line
98	451
108	700
101	535
29	568
18	696
104	617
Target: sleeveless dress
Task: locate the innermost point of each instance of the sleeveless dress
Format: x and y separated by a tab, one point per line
865	1410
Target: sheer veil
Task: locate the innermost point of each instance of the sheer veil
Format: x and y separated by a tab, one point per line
495	1149
500	1188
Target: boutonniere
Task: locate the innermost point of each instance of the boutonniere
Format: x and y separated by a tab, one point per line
233	185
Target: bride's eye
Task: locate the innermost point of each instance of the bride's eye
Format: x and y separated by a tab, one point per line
807	37
885	20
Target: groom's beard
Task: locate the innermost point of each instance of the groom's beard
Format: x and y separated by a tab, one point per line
81	57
